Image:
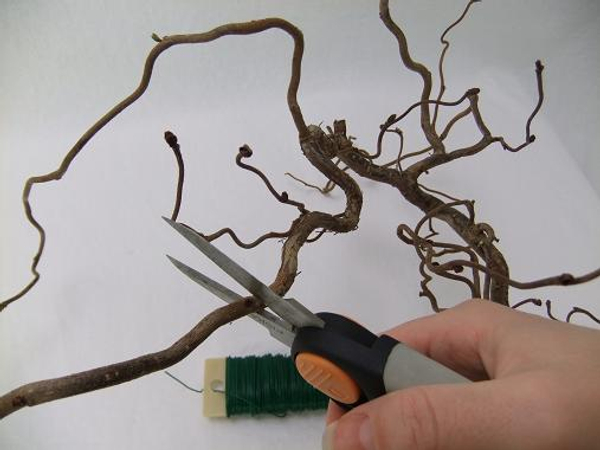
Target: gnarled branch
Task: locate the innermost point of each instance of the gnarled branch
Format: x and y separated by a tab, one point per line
44	391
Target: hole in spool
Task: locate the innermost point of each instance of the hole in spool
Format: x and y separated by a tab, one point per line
217	386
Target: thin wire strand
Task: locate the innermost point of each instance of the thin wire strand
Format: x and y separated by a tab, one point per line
183	384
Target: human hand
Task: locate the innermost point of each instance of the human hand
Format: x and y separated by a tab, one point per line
539	387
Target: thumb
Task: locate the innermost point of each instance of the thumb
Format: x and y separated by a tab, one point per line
487	414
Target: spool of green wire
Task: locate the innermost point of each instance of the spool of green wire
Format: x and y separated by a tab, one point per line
268	384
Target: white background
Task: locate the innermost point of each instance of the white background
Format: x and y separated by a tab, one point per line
107	293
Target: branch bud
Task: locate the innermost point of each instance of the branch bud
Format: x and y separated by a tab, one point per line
539	66
245	151
171	139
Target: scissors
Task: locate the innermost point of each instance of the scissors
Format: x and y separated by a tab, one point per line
334	354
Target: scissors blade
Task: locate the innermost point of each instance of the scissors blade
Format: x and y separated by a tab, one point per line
292	312
277	328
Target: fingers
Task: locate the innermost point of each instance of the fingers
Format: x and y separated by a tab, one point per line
482	340
490	414
334	412
462	338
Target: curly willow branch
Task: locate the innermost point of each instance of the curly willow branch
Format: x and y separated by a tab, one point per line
585	312
239	242
411	237
535	301
446	45
44	391
244	28
412	65
246	152
171	140
548	304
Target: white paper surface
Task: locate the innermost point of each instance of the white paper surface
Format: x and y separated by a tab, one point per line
107	292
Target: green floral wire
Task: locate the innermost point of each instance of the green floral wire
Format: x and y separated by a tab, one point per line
268	384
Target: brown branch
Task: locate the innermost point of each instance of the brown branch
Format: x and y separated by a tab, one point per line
323	190
548	305
317	147
425	291
406	183
535	301
564	279
476	284
577	310
446	45
549	310
412	65
171	140
442	194
437	159
394	119
239	242
317	236
399	157
244	28
530	138
411	237
443	136
487	139
246	152
44	391
396	162
453	121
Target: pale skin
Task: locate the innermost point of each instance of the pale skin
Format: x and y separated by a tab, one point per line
538	387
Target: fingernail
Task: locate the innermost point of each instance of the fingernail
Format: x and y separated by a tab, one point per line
327	441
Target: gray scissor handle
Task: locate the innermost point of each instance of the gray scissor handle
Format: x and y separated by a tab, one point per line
406	367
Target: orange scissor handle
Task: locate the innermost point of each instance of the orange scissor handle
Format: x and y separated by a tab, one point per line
328	378
343	359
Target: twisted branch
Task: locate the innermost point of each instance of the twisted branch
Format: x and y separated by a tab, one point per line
239	242
244	28
548	304
246	152
446	45
44	391
564	279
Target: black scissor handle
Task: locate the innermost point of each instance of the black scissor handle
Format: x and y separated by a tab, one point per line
343	359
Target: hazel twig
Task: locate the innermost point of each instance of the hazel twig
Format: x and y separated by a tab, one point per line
171	140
